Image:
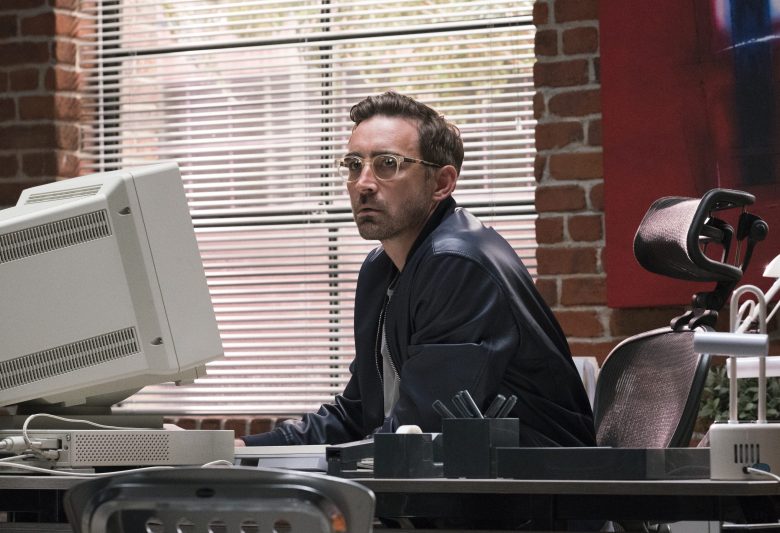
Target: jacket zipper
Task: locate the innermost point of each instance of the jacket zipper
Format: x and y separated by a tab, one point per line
378	345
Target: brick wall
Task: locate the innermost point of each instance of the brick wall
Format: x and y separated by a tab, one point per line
39	94
570	177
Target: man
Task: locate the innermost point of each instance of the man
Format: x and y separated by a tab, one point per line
443	305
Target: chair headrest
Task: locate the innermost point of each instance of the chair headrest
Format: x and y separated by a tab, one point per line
670	238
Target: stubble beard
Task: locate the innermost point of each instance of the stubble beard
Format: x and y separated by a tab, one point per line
386	225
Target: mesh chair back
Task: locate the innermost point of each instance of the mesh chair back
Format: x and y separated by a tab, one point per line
669	239
648	391
220	500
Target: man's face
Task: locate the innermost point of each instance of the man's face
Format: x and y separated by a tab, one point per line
391	210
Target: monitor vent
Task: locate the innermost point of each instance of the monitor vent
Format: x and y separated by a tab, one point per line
121	448
53	235
65	194
68	358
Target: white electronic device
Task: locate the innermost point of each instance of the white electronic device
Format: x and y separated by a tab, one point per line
103	290
310	457
94	449
737	446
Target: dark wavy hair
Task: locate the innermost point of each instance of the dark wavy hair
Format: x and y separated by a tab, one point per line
439	139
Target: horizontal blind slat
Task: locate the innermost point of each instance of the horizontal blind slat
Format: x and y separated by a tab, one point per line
252	99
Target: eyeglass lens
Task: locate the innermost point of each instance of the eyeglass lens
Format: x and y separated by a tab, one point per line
384	167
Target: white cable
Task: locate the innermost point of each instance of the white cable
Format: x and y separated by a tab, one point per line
16	457
80	474
752	470
33	445
220	462
73	420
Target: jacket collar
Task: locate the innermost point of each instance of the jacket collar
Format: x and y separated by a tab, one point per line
445	208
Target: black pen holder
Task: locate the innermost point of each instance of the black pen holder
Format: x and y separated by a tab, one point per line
403	455
470	445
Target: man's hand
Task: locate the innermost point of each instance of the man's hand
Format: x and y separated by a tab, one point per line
239	443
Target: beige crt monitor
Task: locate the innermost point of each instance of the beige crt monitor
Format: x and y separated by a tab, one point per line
103	290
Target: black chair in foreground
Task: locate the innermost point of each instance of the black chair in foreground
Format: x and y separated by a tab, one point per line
650	385
220	500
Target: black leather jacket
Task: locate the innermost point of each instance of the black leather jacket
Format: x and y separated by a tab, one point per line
464	315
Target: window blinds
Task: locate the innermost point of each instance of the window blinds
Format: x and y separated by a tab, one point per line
252	98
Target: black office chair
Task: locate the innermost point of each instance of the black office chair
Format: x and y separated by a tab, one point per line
220	500
650	385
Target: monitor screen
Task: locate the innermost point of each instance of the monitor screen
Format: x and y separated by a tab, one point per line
103	291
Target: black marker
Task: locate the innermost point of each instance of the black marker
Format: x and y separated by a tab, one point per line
440	408
495	406
470	403
507	407
460	406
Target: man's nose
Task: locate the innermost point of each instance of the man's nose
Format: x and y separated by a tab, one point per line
366	178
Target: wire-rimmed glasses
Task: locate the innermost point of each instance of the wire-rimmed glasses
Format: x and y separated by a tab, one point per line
384	166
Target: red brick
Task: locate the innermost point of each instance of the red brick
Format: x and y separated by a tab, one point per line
20	53
626	322
60	79
67	108
546	43
25	79
563	198
561	73
580	41
541	13
9	166
211	423
568	260
38	136
590	290
585	228
187	423
548	289
597	197
71	5
550	135
40	165
577	166
539	106
572	10
68	165
7	109
549	230
67	136
65	52
261	425
238	425
540	163
575	103
580	323
66	25
36	107
599	350
8	26
4	81
11	5
594	133
40	24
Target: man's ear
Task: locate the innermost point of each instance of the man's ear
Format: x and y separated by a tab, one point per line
446	178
